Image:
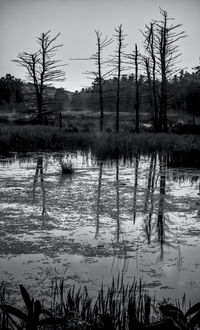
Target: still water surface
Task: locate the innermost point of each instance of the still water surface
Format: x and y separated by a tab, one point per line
139	218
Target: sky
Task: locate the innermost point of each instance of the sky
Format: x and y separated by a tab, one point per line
22	21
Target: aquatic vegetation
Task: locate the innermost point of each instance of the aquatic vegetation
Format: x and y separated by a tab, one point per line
40	138
31	319
67	167
103	145
120	307
116	308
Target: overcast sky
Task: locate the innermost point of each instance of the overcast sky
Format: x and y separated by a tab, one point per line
21	21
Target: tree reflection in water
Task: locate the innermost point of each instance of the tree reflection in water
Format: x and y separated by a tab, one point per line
118	245
149	198
145	190
40	173
137	160
161	226
117	199
98	197
155	207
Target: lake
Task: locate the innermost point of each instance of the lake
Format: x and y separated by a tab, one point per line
139	218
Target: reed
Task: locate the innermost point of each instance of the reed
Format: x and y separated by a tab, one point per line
113	308
67	167
103	145
119	307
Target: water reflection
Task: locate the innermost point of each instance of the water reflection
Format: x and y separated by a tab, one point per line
39	175
138	217
161	226
149	198
98	197
117	200
137	159
154	206
156	220
100	209
155	214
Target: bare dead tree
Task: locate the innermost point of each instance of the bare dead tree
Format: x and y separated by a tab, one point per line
135	60
137	103
100	74
147	68
168	52
150	65
161	44
42	69
164	52
99	62
118	66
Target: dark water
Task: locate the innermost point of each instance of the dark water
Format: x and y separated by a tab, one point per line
138	218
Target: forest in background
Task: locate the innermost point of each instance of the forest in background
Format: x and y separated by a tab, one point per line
17	98
155	93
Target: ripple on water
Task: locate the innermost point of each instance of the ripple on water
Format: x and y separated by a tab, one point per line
99	222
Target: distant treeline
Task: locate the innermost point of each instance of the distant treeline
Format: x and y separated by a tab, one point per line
19	97
159	97
183	95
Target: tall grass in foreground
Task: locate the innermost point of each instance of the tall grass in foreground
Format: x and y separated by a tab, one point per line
113	308
119	307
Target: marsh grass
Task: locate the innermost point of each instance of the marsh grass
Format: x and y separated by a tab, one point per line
36	138
116	307
3	298
103	145
67	167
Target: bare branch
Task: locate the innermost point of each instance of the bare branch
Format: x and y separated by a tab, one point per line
42	68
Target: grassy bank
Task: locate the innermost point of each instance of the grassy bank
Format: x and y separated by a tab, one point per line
103	145
119	307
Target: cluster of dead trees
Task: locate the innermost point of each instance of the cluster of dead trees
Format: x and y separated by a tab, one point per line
159	62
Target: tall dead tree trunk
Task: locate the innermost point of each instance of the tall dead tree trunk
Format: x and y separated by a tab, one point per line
150	64
119	54
99	47
135	58
155	102
101	44
99	75
147	67
161	45
118	67
163	65
167	53
137	103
